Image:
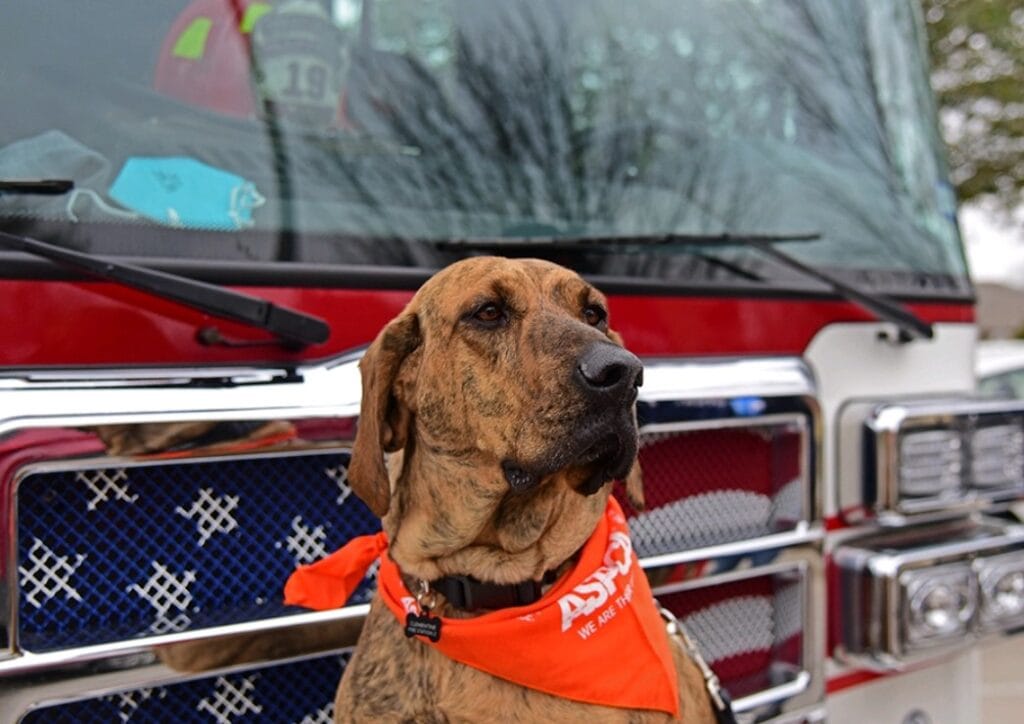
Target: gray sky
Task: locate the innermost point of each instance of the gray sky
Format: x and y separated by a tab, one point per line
995	251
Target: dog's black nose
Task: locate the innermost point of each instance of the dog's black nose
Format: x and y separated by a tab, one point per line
609	371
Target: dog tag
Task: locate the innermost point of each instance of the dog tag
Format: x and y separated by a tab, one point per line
425	625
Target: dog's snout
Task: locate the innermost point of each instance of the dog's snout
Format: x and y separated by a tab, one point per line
609	370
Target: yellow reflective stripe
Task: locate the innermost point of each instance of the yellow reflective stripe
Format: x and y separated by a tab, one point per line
253	13
191	44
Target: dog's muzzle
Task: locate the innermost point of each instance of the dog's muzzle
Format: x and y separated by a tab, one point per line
605	437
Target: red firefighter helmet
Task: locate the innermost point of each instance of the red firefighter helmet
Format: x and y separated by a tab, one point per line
205	57
243	57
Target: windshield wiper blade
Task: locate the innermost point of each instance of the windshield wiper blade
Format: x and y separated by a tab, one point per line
909	324
290	326
42	187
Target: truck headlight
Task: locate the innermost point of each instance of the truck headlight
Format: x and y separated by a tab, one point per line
997	456
931	463
939	603
1001	580
929	456
912	593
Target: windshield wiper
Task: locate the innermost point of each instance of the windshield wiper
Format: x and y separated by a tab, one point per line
43	187
291	327
909	324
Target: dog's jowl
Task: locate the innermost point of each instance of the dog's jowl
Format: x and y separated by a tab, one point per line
498	409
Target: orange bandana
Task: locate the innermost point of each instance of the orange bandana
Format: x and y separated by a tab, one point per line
594	637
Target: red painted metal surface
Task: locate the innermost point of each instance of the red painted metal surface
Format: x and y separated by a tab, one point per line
852	679
57	323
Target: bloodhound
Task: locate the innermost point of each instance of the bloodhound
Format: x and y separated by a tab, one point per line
507	404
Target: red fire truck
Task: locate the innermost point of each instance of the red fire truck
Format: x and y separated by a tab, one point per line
209	208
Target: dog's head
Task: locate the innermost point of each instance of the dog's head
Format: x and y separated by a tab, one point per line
503	372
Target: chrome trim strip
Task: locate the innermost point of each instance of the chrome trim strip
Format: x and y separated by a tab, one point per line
102	462
727	423
140	377
33	681
25	663
796	565
319	392
891	415
803	534
725	378
775	694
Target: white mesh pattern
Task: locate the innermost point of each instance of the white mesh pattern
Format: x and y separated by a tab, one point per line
230	699
48	574
716	627
212	513
104	484
324	715
339	474
373	570
788	502
167	593
305	543
127	702
700	518
788	612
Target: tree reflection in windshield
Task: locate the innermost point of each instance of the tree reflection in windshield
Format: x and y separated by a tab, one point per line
431	119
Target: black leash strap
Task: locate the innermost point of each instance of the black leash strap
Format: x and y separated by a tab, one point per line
721	704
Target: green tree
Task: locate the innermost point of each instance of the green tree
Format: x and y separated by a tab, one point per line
977	49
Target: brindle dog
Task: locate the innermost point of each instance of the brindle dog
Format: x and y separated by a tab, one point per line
508	406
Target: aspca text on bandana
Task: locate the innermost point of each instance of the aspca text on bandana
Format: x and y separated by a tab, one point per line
600	588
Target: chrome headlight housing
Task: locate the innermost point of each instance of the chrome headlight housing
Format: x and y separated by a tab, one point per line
919	591
930	456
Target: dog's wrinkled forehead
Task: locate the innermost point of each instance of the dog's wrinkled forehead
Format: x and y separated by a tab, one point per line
521	284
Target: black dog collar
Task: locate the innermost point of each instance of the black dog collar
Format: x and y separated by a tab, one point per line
468	594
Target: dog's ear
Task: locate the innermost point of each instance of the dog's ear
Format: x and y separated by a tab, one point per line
634	483
384	420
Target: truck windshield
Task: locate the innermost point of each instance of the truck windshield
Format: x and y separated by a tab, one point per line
361	132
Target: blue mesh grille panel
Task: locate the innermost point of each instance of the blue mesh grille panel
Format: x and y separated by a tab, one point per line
298	692
124	552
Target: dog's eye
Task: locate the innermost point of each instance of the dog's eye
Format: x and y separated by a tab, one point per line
594	315
489	313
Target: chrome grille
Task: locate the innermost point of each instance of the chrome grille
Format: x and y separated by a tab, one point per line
114	553
751	630
729	483
296	692
232	566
